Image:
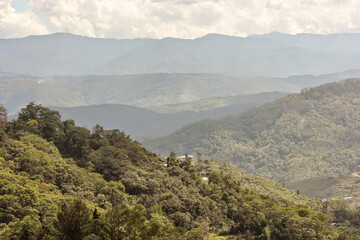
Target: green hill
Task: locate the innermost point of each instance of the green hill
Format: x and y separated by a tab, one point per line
314	133
61	181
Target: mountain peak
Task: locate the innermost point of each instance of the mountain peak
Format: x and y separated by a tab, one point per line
216	36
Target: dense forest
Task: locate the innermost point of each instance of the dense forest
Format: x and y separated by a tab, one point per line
310	134
61	181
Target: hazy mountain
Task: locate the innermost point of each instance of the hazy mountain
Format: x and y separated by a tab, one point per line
143	123
305	81
348	42
269	55
300	136
148	90
60	53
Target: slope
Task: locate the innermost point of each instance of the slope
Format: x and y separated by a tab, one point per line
335	186
212	103
314	133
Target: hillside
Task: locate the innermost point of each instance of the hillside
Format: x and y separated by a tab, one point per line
311	134
335	186
103	185
212	103
269	55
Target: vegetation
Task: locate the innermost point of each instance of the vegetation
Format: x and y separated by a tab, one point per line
314	133
257	185
61	181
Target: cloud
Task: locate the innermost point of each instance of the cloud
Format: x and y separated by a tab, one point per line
18	24
180	18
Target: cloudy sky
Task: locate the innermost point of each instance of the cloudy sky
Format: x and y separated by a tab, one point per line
176	18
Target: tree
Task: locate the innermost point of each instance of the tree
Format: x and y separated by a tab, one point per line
73	220
127	223
173	155
76	142
49	121
98	227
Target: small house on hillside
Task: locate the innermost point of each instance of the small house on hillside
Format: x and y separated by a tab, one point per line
187	157
169	161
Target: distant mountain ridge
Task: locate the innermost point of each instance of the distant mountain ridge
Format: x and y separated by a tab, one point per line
268	55
150	91
145	90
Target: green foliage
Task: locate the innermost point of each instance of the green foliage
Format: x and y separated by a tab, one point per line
112	188
49	122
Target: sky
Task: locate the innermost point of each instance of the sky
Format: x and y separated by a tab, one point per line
176	18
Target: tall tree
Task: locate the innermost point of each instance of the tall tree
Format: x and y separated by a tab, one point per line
73	220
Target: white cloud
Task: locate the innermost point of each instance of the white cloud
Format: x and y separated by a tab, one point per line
18	24
181	18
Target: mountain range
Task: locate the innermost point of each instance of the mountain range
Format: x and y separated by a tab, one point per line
268	55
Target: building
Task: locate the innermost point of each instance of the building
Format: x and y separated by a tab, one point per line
188	157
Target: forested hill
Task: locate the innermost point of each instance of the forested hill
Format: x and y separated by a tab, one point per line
314	133
61	181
